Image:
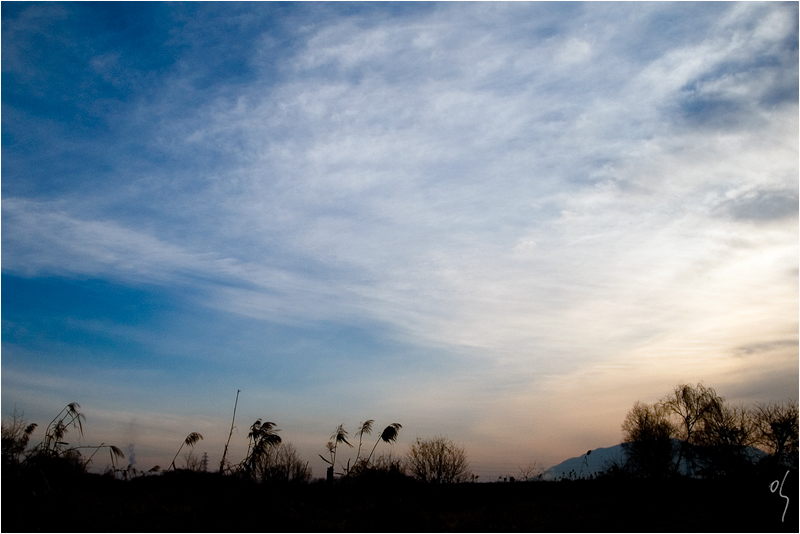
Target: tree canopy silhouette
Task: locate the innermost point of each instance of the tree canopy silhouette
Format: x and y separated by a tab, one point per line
438	461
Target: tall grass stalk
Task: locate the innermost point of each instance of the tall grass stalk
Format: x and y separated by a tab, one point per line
114	452
55	431
190	440
339	436
233	421
388	435
365	428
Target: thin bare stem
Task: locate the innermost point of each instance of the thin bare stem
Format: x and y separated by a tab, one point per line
225	452
53	435
172	465
388	435
92	456
114	451
365	428
190	440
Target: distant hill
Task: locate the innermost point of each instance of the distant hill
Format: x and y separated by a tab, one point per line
598	460
584	466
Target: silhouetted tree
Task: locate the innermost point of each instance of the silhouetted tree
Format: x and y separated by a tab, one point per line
647	440
691	405
776	429
721	442
725	425
438	461
716	439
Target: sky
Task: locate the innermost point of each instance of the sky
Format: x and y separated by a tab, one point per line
503	223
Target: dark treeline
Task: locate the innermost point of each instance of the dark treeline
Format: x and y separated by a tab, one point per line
694	432
692	463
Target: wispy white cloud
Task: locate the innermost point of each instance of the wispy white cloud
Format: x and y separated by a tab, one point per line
417	188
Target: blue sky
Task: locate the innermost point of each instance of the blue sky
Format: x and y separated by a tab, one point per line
500	222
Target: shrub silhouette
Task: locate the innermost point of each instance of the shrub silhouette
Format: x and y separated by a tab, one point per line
53	447
192	462
532	471
438	461
15	436
52	461
384	469
277	463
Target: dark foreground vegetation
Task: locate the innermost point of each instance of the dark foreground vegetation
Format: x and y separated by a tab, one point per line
185	501
692	464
